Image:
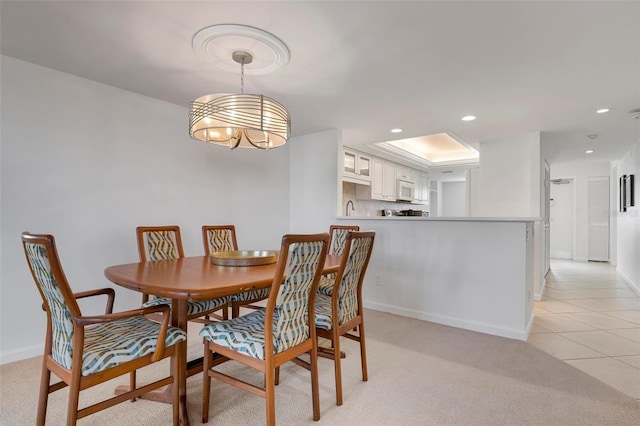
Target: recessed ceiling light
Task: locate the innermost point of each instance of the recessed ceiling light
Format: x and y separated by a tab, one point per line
602	110
469	118
396	130
589	151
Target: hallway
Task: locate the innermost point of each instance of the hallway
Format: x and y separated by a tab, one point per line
590	318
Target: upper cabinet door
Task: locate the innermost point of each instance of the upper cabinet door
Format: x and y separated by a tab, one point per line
377	184
364	166
425	188
405	173
356	166
384	180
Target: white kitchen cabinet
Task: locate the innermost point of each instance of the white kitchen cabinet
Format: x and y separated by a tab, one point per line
406	173
356	167
423	188
383	182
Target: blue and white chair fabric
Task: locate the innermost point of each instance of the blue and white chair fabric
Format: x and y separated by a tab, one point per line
106	345
336	247
223	238
84	351
341	314
165	244
290	326
348	289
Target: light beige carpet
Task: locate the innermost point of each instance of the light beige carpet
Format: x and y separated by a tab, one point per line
419	374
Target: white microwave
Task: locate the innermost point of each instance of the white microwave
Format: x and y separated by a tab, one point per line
405	191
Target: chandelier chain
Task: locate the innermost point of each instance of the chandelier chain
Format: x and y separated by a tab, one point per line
242	76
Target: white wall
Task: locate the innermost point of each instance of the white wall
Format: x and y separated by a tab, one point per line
314	185
580	172
628	224
89	162
509	178
453	199
472	274
510	183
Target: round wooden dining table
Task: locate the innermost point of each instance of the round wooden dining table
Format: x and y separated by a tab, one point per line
193	278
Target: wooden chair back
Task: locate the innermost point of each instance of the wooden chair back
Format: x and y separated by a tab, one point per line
292	294
338	234
159	242
349	278
219	238
57	296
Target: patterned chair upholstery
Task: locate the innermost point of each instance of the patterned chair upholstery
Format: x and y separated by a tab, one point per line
347	318
267	338
338	235
223	238
83	351
157	243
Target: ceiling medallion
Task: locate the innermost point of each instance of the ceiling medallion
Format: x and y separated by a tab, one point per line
219	42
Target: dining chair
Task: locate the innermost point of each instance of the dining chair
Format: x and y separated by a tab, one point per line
267	338
342	314
156	243
338	235
218	238
84	351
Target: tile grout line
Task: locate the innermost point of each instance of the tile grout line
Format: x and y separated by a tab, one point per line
539	310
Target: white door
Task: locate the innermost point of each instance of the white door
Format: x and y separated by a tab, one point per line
561	219
598	218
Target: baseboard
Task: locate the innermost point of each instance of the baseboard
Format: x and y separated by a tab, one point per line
20	354
453	322
634	286
580	259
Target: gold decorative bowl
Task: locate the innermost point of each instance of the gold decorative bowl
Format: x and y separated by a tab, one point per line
244	257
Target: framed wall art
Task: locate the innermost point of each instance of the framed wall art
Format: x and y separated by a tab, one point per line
627	192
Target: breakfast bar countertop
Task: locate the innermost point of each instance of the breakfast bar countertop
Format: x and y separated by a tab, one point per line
435	218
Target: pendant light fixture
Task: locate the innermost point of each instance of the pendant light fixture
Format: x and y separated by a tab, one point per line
239	120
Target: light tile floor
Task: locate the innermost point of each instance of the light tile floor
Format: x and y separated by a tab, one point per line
590	318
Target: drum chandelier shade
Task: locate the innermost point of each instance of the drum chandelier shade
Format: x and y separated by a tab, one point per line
239	120
245	121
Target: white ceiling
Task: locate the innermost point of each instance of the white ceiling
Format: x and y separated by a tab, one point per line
366	67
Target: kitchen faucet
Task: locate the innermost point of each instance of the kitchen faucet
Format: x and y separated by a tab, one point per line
347	207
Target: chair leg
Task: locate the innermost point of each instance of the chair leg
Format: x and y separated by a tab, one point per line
315	393
337	365
277	376
269	385
235	310
132	383
45	377
206	383
74	397
363	353
175	394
